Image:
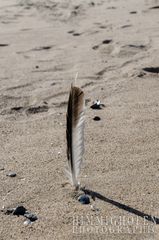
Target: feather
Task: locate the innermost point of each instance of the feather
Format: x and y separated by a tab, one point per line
75	134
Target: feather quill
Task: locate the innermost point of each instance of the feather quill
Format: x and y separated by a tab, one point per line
75	134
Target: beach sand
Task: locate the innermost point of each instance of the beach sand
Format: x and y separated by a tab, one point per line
114	47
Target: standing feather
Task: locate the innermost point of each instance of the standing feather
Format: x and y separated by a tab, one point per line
75	134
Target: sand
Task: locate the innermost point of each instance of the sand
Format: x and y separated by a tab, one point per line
109	43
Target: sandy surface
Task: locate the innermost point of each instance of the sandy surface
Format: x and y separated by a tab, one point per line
42	46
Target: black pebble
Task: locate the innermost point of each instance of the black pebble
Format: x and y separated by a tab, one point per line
96	118
38	109
107	41
4	44
11	174
155	7
19	210
72	31
31	216
133	12
84	199
36	66
142	74
95	47
97	105
16	108
76	34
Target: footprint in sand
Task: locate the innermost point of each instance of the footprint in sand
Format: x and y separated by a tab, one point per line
128	50
27	110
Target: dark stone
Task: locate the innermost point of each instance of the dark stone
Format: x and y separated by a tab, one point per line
133	12
96	118
84	199
95	47
142	74
46	47
38	109
92	4
155	7
4	44
9	211
137	46
97	105
126	26
76	34
19	210
72	31
11	174
107	41
76	7
31	216
42	48
17	109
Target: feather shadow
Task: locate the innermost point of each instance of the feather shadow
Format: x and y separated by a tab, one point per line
127	208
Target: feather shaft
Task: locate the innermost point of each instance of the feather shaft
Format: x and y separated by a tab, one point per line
75	134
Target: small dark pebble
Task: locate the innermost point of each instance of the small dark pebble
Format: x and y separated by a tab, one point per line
36	66
19	211
4	44
142	74
76	34
102	27
76	7
96	118
1	168
42	48
137	46
155	7
97	105
9	211
46	47
84	199
111	7
92	4
38	109
16	108
107	41
31	216
126	26
11	174
72	31
45	102
133	12
95	47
